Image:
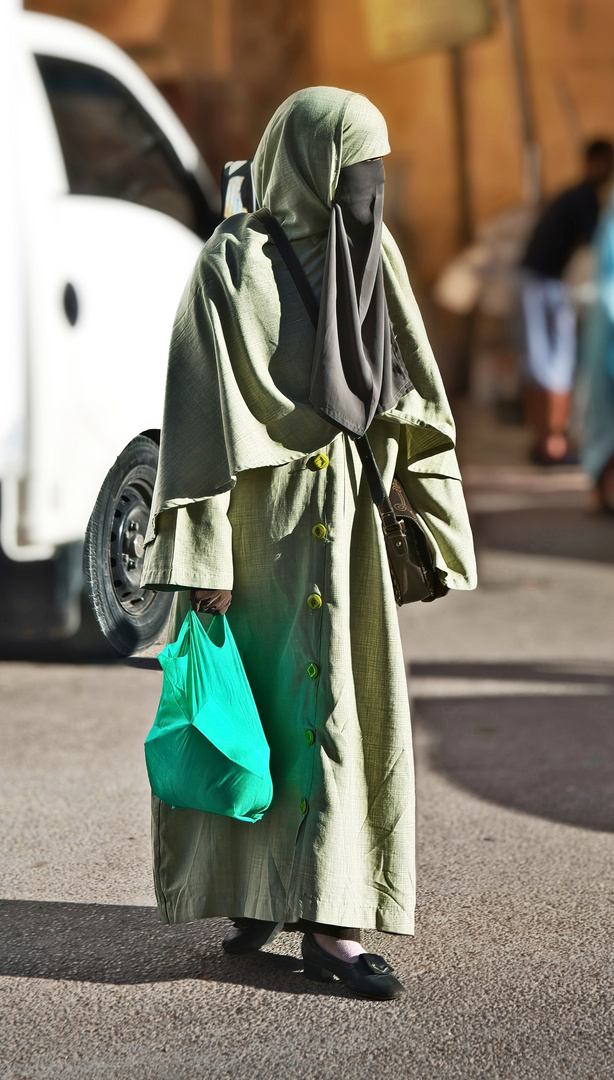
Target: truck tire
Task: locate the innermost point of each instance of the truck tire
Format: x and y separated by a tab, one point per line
131	618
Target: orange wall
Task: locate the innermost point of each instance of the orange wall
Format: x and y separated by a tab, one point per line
414	96
570	55
570	50
226	65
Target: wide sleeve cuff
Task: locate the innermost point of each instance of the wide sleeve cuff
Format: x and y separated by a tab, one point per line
192	548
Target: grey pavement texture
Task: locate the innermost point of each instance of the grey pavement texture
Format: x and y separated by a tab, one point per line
511	972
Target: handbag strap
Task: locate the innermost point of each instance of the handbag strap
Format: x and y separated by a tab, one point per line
291	259
374	477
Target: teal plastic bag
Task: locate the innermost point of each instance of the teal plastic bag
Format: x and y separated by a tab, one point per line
206	749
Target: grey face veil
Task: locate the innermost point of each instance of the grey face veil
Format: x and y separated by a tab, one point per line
357	371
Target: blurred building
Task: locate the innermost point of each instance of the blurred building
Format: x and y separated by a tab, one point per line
464	85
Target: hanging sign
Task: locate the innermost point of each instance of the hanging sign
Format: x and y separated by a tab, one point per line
398	28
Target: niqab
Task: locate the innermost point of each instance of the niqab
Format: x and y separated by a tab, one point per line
357	373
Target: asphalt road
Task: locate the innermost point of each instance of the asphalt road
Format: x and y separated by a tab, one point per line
511	972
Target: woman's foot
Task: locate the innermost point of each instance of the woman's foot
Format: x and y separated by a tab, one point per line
547	414
250	935
368	975
340	948
543	456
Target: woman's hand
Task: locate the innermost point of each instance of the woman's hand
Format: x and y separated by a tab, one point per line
212	601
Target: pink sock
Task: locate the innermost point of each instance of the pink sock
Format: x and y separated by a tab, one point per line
340	948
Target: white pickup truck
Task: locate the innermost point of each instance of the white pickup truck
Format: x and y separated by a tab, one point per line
104	206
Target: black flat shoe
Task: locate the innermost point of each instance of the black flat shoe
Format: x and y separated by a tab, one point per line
368	976
249	935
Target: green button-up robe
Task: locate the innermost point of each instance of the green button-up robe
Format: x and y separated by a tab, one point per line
337	845
237	498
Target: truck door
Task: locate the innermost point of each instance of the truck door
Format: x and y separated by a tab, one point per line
128	232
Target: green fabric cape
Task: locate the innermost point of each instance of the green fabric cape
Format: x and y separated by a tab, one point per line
237	394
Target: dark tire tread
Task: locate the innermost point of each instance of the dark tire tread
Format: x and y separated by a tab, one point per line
125	633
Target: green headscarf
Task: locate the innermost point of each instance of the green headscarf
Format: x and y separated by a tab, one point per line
237	394
313	135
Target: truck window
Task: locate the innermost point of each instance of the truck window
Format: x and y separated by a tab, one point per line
112	147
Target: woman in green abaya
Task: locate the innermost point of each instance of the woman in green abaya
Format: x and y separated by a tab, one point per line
261	500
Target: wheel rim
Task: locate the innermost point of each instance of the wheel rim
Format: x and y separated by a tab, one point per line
127	546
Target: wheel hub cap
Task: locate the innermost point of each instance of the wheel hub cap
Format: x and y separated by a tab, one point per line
127	549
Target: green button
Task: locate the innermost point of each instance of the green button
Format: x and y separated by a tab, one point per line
319	532
314	602
304	805
320	461
310	737
313	671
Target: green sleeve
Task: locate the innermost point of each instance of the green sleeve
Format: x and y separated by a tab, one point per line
192	548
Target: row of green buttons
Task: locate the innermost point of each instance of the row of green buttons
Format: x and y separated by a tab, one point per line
314	602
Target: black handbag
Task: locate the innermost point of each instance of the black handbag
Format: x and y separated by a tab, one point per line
410	556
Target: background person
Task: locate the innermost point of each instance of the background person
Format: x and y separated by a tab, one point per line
597	371
261	498
547	319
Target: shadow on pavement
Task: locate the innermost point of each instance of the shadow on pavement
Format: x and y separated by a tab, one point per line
143	663
59	654
124	945
534	738
553	532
